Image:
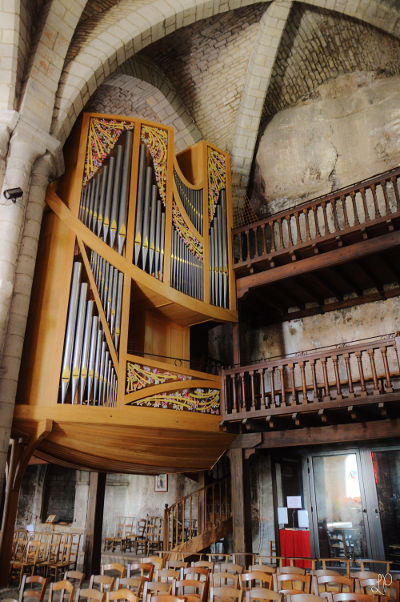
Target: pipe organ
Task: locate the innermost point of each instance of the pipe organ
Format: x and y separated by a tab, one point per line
135	249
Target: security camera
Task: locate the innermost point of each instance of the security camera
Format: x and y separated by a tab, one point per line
13	194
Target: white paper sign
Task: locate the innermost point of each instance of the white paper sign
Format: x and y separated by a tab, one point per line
302	517
282	516
294	501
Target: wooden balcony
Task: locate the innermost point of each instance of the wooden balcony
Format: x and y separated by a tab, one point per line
335	251
346	383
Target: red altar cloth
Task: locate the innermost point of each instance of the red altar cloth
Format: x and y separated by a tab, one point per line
295	543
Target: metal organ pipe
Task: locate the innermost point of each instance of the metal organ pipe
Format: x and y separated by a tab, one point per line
86	355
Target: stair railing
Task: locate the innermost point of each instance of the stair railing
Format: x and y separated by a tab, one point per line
196	513
360	207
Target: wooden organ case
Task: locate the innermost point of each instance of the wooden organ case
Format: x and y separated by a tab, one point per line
135	248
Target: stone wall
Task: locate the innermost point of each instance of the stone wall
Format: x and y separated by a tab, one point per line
348	132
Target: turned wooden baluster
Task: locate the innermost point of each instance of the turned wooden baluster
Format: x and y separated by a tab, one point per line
264	242
327	395
293	385
271	225
298	228
288	220
235	407
334	203
303	381
323	205
256	253
396	189
281	243
240	239
243	391
388	385
314	381
253	396
373	370
355	210
335	361
315	214
283	390
263	403
176	514
248	245
190	518
373	190
387	206
308	235
348	371
346	219
364	200
361	373
271	372
183	522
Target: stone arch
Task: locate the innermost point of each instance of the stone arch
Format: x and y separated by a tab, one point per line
130	31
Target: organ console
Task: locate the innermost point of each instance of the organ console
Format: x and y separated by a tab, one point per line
135	249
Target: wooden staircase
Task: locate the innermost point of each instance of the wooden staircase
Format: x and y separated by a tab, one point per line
199	519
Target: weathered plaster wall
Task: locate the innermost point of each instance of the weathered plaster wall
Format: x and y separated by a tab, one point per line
262	507
348	131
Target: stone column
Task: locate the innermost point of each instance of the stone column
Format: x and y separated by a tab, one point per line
33	157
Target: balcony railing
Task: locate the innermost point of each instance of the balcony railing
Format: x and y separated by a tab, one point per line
351	214
354	374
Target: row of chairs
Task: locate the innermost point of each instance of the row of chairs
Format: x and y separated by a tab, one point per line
285	581
145	539
43	553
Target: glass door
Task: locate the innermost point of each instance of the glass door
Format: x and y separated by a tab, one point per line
340	523
383	489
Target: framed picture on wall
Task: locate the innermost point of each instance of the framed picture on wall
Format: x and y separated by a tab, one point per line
161	482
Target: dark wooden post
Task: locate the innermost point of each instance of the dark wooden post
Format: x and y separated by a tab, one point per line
240	503
94	522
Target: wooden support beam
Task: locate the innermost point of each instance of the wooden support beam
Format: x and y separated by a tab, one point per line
338	433
247	440
330	288
368	276
338	272
310	264
19	455
323	416
240	497
94	522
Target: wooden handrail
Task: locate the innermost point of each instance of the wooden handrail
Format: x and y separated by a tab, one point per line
315	379
195	513
354	208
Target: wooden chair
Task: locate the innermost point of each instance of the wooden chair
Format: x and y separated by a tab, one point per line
335	583
154	588
306	598
63	587
75	576
167	598
114	568
205	564
352	597
176	564
28	563
156	560
260	593
32	592
122	594
75	540
293	570
135	584
89	594
320	573
62	563
255	579
264	568
184	588
369	586
199	573
224	580
228	567
299	584
166	575
225	594
105	582
145	569
140	539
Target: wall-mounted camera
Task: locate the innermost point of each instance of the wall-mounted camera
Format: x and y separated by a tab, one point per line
13	194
